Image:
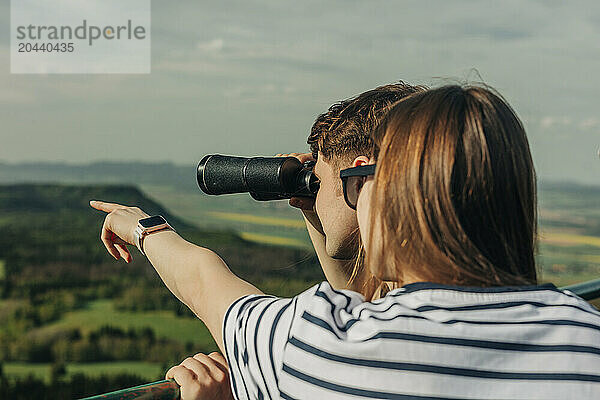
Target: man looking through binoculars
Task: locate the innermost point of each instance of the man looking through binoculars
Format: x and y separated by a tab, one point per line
337	138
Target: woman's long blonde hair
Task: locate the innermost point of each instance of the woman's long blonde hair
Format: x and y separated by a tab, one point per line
455	192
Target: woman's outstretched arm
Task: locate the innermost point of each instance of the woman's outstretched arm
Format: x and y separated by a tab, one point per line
198	277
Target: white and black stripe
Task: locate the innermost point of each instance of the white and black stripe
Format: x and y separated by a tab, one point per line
422	341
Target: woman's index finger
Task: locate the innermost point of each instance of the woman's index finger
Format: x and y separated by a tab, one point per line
103	206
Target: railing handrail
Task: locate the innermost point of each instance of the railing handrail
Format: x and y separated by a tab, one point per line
166	389
169	390
589	290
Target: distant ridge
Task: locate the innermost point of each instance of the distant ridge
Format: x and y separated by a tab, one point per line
56	198
54	225
163	173
571	187
134	173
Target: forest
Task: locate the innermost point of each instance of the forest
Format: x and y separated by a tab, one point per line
65	302
75	322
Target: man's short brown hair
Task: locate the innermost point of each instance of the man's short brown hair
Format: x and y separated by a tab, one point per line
345	130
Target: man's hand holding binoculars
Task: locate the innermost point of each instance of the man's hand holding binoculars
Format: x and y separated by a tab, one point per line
306	204
303	203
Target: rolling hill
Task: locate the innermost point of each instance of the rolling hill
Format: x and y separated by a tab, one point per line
49	227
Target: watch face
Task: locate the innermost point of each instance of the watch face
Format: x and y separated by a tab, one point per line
152	221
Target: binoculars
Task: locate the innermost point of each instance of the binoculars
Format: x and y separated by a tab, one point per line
265	178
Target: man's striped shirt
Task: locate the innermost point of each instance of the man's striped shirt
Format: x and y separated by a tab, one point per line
421	341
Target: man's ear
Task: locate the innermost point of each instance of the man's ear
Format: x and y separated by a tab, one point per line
360	160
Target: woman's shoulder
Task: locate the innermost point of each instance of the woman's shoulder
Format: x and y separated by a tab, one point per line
325	291
546	292
427	296
422	334
435	306
429	293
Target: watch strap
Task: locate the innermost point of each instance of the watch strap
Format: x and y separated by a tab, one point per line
138	238
141	233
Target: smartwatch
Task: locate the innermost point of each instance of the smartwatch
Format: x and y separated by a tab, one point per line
149	225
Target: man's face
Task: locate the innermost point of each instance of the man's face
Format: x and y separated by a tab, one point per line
338	220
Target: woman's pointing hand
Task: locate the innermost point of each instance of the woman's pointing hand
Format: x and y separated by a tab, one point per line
119	227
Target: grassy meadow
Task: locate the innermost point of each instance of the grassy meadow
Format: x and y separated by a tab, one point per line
148	371
569	228
568	252
73	317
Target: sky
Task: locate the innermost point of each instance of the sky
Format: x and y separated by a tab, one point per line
249	78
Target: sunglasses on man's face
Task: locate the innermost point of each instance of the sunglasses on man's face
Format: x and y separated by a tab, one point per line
353	180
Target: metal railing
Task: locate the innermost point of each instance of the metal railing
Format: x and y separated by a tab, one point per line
589	290
169	390
159	390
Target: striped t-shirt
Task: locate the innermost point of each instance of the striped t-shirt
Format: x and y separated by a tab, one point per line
421	341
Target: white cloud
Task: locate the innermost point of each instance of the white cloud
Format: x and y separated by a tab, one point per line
187	66
214	45
302	56
555	121
249	92
590	123
586	124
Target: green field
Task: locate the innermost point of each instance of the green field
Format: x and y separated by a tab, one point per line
274	240
101	313
569	252
569	248
258	220
164	323
146	370
261	221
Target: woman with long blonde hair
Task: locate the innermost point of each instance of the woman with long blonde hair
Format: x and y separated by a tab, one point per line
447	212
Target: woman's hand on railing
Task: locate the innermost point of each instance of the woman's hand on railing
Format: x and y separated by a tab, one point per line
202	377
